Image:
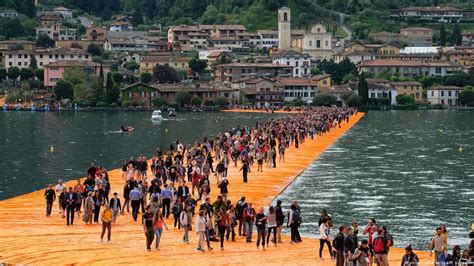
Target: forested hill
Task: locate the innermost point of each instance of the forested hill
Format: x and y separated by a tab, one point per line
362	15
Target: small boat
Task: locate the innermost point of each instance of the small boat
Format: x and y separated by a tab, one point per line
172	112
156	115
126	129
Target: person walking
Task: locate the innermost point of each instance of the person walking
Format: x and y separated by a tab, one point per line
60	187
201	229
222	220
338	244
79	190
50	197
148	228
158	224
166	195
260	223
106	217
177	209
324	232
88	209
249	217
232	219
97	204
135	199
71	199
437	244
272	225
294	220
63	202
280	217
239	214
245	170
115	206
185	221
349	247
126	196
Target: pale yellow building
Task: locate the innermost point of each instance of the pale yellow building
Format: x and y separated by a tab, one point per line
413	88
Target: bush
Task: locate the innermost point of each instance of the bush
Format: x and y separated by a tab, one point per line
208	103
159	101
411	106
174	105
221	101
196	101
354	101
324	99
11	98
183	98
113	104
101	104
83	103
405	99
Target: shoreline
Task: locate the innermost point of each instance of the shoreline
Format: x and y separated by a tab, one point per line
27	237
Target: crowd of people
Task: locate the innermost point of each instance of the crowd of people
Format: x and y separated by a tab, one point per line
177	181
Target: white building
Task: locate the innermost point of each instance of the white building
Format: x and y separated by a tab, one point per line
318	42
65	13
295	88
22	58
284	28
301	62
269	38
57	32
8	13
445	95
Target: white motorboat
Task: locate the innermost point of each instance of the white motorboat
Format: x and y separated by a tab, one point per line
156	115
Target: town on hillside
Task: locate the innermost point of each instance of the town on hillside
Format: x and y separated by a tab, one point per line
76	60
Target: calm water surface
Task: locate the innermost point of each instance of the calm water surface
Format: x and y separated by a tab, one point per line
410	170
80	138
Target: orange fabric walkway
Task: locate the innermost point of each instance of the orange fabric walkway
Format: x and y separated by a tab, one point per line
28	237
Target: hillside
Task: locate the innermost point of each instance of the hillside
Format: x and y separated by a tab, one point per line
362	16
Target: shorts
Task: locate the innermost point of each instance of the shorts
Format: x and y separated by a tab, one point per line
371	249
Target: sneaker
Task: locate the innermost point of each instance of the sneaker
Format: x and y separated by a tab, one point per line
210	248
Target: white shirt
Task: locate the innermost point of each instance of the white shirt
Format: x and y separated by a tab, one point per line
324	231
60	188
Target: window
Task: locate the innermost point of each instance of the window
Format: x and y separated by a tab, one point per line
318	44
19	63
457	93
130	94
296	71
442	93
285	16
297	64
438	70
449	93
54	68
432	93
310	43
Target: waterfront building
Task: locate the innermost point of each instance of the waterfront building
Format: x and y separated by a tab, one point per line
22	58
444	95
413	88
261	92
297	88
235	71
53	72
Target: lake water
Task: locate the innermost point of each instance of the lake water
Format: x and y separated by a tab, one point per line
80	138
411	170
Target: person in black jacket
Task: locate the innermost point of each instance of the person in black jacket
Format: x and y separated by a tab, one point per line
338	244
183	191
50	197
280	218
245	170
71	198
115	207
126	196
349	246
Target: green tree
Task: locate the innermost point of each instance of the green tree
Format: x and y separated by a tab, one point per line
197	65
98	93
3	73
159	101
13	73
297	102
64	90
354	101
405	99
94	49
165	74
210	16
146	77
137	18
39	74
196	101
27	73
44	41
457	35
316	71
466	97
221	101
33	62
132	65
110	96
442	35
183	98
363	88
324	99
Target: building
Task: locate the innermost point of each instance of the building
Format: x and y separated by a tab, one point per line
15	44
197	37
65	13
206	91
249	39
49	18
354	56
22	58
413	88
385	36
96	34
318	42
300	62
468	38
269	38
213	57
56	32
8	13
261	92
149	62
405	68
379	89
122	23
131	57
457	54
128	41
54	72
386	48
431	14
337	91
324	80
284	28
236	71
298	88
417	36
444	95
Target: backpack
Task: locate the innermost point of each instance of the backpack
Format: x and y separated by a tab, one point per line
338	242
379	245
297	217
389	239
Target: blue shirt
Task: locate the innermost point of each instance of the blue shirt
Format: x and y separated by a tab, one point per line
135	194
166	193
